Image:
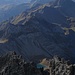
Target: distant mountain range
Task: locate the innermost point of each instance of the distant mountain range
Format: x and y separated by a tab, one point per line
2	2
12	8
9	11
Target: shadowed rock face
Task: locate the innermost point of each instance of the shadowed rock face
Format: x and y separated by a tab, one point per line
13	64
39	33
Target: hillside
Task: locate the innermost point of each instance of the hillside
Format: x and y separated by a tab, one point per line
41	32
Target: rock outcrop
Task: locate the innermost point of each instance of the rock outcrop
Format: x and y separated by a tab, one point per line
59	66
13	64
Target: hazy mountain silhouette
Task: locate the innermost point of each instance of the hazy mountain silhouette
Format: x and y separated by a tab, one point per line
2	2
9	11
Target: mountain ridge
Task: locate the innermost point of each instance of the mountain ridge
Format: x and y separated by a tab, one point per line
36	35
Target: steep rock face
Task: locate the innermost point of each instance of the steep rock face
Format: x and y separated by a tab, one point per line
31	36
37	34
45	13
